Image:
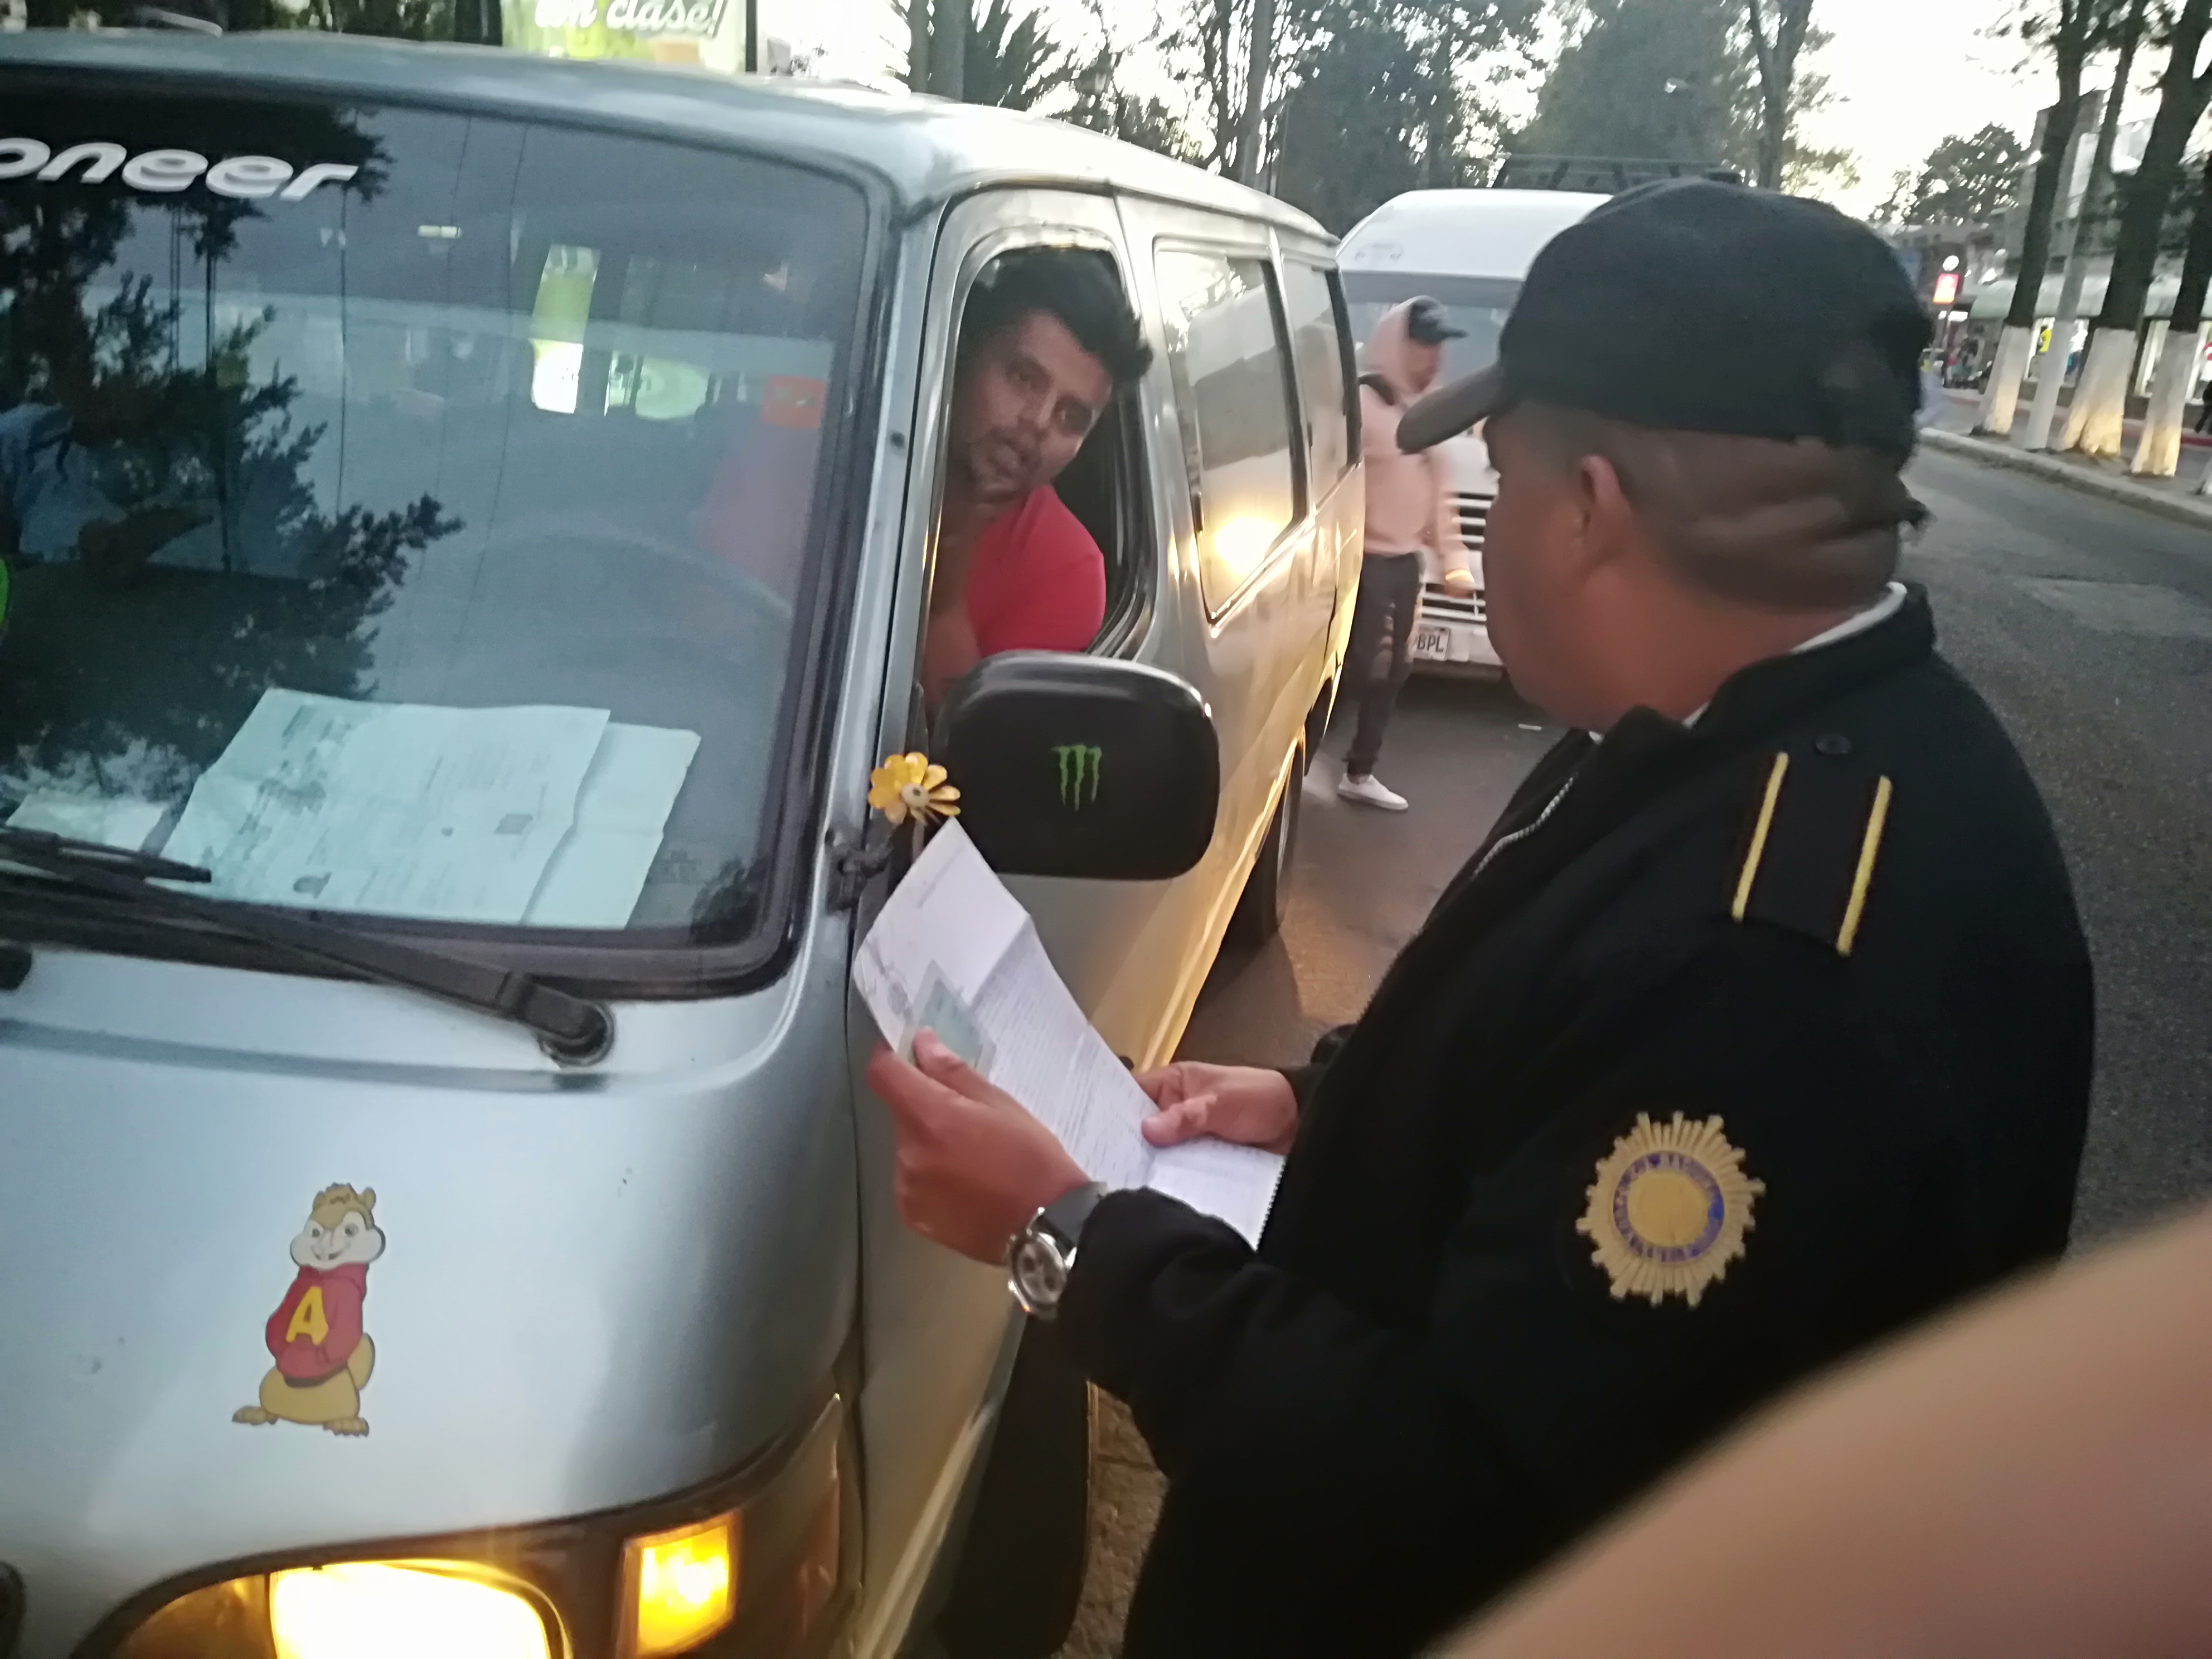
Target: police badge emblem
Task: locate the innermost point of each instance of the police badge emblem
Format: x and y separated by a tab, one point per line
1668	1210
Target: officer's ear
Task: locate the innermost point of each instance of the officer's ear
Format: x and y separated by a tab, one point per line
1572	493
1611	524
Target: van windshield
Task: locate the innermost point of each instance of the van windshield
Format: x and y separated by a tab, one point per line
410	513
1477	304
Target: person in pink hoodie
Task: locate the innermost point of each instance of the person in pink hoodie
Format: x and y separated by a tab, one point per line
1410	516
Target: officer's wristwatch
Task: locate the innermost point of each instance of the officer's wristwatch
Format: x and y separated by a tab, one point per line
1043	1253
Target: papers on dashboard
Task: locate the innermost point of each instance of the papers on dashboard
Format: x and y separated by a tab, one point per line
111	820
953	949
550	815
622	810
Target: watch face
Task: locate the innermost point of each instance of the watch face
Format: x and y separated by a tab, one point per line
1039	1275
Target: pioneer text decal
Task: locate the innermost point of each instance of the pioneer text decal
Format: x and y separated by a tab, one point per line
245	178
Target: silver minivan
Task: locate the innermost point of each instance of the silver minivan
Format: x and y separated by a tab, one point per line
468	525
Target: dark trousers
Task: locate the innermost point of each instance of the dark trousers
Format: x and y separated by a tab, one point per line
1389	593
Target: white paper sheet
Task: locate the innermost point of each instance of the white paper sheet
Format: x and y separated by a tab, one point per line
112	821
600	868
953	923
391	809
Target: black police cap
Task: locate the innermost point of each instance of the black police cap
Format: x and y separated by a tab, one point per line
1698	305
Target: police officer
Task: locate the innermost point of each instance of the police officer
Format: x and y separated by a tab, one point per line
1758	1027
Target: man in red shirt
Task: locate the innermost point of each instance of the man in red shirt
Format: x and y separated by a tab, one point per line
1047	341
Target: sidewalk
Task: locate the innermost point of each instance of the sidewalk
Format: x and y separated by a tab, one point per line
1951	433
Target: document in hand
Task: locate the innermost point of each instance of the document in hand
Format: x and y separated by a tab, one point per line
954	950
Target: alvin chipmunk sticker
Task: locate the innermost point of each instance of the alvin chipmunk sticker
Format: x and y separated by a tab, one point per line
324	1356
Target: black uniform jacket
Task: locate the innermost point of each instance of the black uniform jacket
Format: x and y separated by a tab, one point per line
1830	914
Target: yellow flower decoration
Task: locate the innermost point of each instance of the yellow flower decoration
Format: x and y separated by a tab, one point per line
909	786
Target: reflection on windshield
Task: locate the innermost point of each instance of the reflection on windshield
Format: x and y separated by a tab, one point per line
1478	305
428	543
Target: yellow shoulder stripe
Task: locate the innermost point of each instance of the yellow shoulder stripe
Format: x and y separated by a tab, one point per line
1750	872
1868	847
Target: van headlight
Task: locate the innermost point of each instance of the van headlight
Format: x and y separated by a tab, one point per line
758	1564
351	1610
371	1609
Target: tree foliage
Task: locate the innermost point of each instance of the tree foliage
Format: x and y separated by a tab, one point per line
1011	62
1102	104
473	21
1387	96
1968	178
1679	81
1008	61
1650	79
1208	55
1352	125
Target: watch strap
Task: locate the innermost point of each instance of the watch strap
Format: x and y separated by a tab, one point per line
1068	1214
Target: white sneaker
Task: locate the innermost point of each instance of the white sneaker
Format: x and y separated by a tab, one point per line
1370	791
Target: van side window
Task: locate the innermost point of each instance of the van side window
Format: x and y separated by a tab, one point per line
1041	541
1323	353
1231	369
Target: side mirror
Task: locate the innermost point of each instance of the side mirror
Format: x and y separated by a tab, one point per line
1081	766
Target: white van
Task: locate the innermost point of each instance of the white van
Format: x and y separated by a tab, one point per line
1469	249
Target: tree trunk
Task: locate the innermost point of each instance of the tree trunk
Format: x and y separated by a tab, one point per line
2093	425
1259	65
1773	142
948	49
1775	59
1440	162
1220	54
2094	420
917	45
2158	451
476	22
2001	395
2053	372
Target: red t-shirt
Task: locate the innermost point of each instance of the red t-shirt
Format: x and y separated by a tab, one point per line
1037	581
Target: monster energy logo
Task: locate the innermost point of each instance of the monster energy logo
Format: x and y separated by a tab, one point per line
1079	766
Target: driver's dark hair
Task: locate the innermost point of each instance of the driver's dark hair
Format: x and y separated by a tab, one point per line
1076	286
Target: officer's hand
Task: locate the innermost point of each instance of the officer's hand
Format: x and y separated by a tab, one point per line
1242	1103
973	1166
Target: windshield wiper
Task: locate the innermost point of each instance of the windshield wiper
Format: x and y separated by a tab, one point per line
573	1030
123	860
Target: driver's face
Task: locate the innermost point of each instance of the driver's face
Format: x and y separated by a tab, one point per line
1023	404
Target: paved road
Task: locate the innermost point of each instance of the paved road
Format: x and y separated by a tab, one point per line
2088	626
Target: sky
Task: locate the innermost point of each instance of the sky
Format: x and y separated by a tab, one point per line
1905	74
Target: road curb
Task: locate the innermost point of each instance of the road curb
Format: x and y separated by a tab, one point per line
2184	509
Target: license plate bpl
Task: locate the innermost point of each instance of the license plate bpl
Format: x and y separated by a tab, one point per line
1432	644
